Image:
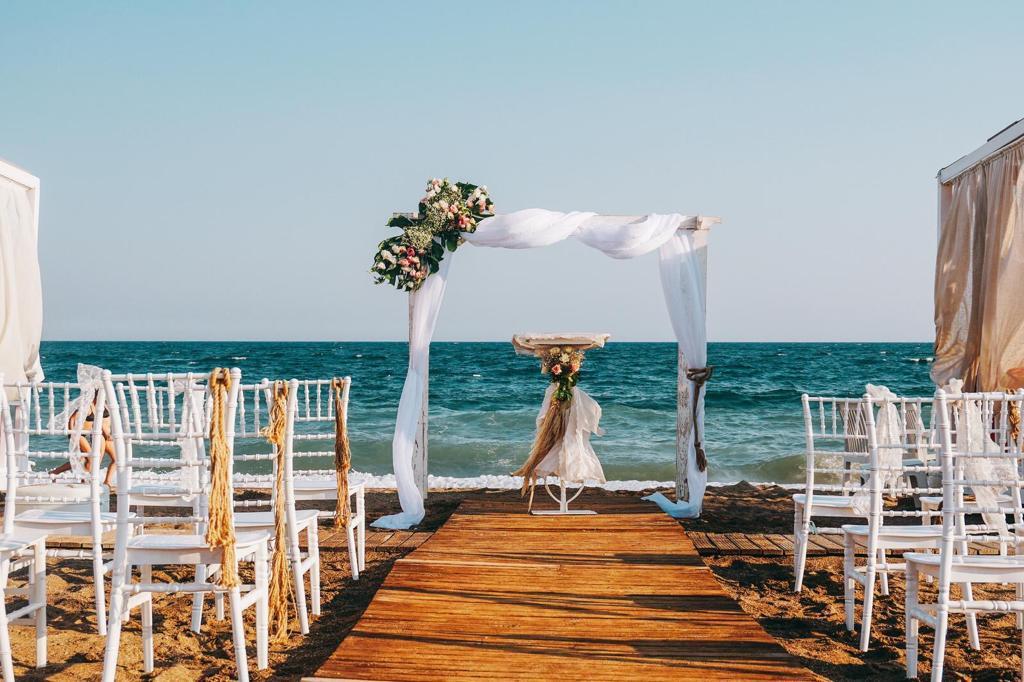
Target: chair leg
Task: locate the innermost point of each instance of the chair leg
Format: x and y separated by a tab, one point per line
39	599
910	606
218	605
198	599
849	584
353	551
972	619
869	603
5	640
362	533
363	543
262	586
884	573
99	584
799	549
238	634
300	592
939	656
113	630
313	542
1020	614
147	622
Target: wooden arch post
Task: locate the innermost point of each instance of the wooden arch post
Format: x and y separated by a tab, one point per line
684	418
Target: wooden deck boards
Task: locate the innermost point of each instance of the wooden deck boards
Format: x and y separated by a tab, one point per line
499	594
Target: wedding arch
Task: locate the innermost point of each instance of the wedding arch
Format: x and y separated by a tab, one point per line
681	242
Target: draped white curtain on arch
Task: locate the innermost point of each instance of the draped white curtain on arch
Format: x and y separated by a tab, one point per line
682	275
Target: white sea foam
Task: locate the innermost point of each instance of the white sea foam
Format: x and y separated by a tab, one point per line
505	482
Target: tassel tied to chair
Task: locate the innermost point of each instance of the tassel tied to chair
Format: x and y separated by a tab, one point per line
280	594
342	453
220	531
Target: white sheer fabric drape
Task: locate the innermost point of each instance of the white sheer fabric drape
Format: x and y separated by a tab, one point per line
616	236
573	459
21	299
425	305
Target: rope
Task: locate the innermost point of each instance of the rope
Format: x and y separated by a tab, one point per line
699	376
221	529
280	583
342	454
550	432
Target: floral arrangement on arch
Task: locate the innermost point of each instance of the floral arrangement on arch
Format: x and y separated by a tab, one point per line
563	364
446	211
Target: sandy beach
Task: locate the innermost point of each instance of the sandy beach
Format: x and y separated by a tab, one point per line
810	625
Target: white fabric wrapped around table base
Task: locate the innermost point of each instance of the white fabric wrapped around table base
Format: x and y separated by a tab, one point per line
573	460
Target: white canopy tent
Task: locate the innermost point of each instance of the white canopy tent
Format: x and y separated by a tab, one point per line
681	242
21	299
979	270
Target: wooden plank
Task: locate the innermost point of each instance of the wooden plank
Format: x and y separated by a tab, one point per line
506	596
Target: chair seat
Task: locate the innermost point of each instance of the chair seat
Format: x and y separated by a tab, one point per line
832	501
175	541
265	519
980	568
890	533
70	523
61	496
20	539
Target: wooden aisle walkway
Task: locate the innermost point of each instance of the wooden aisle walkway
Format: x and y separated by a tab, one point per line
499	594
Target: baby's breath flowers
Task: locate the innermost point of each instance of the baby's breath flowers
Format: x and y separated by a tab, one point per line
446	210
563	364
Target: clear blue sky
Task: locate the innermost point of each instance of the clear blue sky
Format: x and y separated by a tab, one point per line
224	170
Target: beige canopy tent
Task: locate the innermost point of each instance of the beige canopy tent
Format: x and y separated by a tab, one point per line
979	270
21	299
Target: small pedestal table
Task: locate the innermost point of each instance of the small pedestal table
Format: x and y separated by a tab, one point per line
566	421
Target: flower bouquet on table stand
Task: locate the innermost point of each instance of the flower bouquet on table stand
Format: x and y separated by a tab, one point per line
561	449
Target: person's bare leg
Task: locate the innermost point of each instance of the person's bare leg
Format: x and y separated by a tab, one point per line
83	447
109	449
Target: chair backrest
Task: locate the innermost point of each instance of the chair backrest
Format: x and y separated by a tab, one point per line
156	411
311	426
172	433
10	460
48	423
255	457
835	430
315	425
902	454
982	447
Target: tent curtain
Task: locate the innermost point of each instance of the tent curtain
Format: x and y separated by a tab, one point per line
617	237
21	299
979	277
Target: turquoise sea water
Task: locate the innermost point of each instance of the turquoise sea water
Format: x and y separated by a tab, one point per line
484	398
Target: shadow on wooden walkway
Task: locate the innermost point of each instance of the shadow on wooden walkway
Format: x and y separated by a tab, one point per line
496	593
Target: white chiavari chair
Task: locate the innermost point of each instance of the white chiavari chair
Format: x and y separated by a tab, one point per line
143	550
19	549
258	459
980	452
836	439
311	443
64	423
893	431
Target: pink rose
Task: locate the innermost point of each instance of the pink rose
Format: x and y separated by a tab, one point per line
409	251
403	262
556	369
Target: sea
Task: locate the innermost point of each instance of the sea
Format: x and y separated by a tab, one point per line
484	398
